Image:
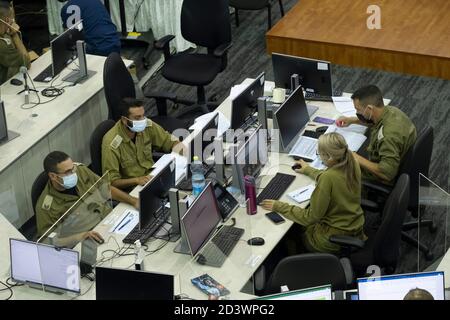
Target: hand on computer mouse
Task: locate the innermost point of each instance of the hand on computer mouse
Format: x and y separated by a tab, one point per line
300	166
94	235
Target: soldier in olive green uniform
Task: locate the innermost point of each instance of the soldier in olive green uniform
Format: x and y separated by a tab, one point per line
391	134
13	53
68	182
334	207
127	148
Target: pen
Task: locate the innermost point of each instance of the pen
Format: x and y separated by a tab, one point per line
301	192
125	224
121	221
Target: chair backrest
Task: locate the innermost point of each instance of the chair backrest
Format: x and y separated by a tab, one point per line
29	228
249	4
206	23
417	160
307	270
386	243
96	145
118	84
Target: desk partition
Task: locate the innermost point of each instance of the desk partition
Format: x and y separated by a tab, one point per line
433	204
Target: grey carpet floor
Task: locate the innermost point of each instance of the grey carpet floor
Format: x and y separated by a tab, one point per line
425	100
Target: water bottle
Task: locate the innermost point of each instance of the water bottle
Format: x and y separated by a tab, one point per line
250	194
198	177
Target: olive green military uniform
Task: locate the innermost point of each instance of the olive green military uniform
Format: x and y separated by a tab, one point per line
10	59
390	140
334	210
52	204
126	159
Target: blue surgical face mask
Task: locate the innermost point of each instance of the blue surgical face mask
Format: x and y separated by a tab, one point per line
69	181
138	125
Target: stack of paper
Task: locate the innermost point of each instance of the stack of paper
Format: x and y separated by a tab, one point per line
354	139
302	194
345	106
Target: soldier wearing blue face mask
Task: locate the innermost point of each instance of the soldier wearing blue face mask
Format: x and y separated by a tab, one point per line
127	149
68	182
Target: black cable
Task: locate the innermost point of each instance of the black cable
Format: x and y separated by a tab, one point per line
7	288
137	11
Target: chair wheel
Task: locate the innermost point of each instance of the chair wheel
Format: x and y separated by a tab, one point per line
429	256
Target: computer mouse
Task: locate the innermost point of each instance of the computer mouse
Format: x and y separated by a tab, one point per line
296	166
99	241
16	82
322	129
257	241
201	259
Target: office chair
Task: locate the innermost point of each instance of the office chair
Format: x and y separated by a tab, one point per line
310	270
383	245
29	228
255	5
118	84
205	23
417	160
96	145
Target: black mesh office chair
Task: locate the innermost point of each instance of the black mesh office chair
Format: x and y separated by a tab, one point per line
96	145
118	84
29	228
383	245
417	160
255	5
207	24
310	270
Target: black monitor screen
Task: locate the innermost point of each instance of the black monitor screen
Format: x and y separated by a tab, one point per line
120	284
253	155
201	219
152	196
246	103
292	117
203	138
314	75
64	47
3	126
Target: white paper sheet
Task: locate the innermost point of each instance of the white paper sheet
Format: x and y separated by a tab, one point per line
126	222
354	140
222	126
302	194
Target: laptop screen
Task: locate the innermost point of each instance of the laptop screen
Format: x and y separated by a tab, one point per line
396	287
316	293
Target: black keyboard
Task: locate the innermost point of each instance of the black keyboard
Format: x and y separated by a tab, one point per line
317	97
276	187
149	230
216	252
45	76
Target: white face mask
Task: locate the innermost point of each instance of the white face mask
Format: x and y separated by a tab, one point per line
138	125
69	181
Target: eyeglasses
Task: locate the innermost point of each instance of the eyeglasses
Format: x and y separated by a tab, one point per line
70	171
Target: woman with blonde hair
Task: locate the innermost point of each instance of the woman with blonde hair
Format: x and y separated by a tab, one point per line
334	207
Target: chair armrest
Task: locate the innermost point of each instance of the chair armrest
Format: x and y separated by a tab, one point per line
348	270
369	205
163	44
347	241
221	50
376	186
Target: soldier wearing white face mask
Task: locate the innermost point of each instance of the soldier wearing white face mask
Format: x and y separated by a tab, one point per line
68	182
127	149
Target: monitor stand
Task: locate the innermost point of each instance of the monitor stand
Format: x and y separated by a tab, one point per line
11	135
44	288
83	74
76	77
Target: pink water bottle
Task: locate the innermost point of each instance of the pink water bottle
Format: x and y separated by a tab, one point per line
250	194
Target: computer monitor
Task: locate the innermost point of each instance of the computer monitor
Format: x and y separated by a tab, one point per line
63	47
5	135
122	284
395	287
250	157
44	266
290	119
314	75
152	197
316	293
246	103
203	138
201	219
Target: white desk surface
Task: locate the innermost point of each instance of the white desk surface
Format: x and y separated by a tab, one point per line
235	273
445	266
36	123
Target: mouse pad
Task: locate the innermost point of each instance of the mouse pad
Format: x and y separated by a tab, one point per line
210	286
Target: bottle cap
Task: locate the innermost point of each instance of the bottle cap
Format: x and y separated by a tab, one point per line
195	158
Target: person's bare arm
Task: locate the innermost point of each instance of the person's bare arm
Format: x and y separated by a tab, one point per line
131	182
19	44
370	166
121	196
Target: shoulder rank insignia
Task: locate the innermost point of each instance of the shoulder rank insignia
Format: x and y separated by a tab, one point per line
116	142
47	204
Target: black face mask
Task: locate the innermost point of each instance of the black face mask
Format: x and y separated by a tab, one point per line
364	119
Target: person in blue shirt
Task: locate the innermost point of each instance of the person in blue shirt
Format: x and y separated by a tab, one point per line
100	33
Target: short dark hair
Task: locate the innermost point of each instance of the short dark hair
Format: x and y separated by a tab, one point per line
127	103
369	95
53	159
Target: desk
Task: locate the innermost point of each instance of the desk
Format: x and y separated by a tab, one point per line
65	124
235	272
162	16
